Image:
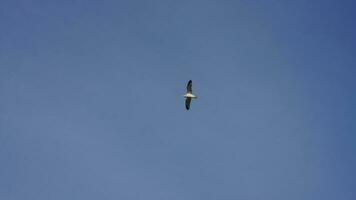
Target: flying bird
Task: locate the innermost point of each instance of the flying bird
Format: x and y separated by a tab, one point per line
189	95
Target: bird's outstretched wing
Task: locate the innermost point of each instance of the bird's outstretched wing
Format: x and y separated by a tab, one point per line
189	87
187	103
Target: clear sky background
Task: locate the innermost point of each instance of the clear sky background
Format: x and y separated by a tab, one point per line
91	103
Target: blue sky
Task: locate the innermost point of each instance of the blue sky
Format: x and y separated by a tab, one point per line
91	100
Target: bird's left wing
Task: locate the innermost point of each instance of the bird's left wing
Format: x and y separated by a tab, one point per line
187	103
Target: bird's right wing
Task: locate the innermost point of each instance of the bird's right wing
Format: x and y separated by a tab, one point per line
189	87
187	103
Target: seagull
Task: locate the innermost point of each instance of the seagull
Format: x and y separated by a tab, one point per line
189	95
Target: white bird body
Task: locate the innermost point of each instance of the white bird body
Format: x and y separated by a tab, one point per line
190	95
